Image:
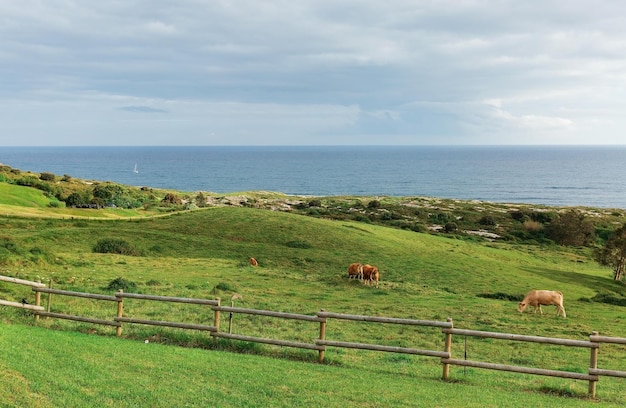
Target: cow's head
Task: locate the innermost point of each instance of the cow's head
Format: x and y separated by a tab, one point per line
521	306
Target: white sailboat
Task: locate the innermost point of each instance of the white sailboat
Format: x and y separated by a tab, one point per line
135	169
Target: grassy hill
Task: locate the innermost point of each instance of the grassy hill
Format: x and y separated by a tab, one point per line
302	269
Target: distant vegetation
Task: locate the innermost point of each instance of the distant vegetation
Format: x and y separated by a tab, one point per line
524	223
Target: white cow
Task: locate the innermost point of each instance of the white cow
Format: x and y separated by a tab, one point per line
536	298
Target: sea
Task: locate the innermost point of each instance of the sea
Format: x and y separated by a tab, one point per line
590	176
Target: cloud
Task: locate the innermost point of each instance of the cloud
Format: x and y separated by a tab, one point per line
142	109
401	71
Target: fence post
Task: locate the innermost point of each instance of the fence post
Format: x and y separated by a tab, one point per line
230	315
216	316
37	302
448	349
322	337
120	311
49	298
593	363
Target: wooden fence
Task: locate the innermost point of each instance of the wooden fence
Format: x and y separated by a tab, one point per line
320	344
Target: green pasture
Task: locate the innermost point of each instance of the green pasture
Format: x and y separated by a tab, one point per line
302	269
49	368
21	201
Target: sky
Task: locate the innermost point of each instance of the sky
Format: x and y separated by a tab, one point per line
312	72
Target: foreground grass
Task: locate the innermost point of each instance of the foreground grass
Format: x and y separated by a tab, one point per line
42	368
203	254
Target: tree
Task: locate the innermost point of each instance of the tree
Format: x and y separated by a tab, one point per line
76	199
614	253
107	192
572	229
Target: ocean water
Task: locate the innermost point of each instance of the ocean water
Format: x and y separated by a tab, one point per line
592	176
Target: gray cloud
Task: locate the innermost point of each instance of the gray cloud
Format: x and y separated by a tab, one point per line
142	109
317	71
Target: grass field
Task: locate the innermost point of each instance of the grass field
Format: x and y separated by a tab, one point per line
302	268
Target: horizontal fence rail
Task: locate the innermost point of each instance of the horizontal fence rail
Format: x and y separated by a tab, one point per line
376	347
270	313
120	295
521	369
520	337
20	305
275	342
22	282
609	340
166	324
76	294
591	377
320	344
80	319
376	319
167	299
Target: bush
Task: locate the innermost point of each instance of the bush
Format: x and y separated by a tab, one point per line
571	229
373	204
609	299
502	296
532	226
224	287
298	244
114	246
487	220
450	227
123	284
77	199
47	176
171	198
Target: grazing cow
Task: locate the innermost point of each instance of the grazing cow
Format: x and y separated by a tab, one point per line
370	274
253	262
355	270
536	298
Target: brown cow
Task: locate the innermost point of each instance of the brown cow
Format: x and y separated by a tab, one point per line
370	274
355	270
253	262
536	298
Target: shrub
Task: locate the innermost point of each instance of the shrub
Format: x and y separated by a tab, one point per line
450	227
315	203
123	284
502	296
153	282
487	220
532	226
609	299
224	286
47	176
518	216
114	246
171	198
572	229
373	204
77	199
298	244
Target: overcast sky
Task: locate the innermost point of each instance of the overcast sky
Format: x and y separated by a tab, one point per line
312	72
